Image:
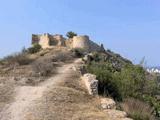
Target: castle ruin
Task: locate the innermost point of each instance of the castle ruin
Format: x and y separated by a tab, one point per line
48	41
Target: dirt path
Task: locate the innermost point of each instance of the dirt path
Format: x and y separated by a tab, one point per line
27	95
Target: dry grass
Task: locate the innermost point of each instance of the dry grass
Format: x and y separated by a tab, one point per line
63	103
67	101
74	82
137	110
6	92
15	64
43	67
18	58
62	56
20	64
18	71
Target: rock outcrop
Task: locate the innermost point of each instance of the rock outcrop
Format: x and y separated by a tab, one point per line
108	103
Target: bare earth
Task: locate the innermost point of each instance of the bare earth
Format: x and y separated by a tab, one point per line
27	95
61	97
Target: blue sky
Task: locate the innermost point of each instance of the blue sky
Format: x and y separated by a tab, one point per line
128	27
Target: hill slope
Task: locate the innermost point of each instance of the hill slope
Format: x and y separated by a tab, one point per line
58	95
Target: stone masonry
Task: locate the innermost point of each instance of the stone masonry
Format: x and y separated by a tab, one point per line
84	42
48	41
91	83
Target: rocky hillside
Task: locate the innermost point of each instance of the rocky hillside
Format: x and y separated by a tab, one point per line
64	83
50	80
127	83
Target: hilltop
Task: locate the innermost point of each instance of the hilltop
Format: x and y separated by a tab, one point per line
74	78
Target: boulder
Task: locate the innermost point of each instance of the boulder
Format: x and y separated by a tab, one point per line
108	103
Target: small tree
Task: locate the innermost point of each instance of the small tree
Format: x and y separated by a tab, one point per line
71	34
24	50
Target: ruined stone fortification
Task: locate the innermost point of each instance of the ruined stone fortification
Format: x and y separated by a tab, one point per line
48	41
85	43
81	42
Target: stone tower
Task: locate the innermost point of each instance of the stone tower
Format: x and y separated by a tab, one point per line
81	42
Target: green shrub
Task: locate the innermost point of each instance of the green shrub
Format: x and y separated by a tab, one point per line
1	62
130	81
152	101
71	34
125	81
34	49
78	52
105	74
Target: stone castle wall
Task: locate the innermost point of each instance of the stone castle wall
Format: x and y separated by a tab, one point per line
81	42
85	43
69	42
44	41
48	41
